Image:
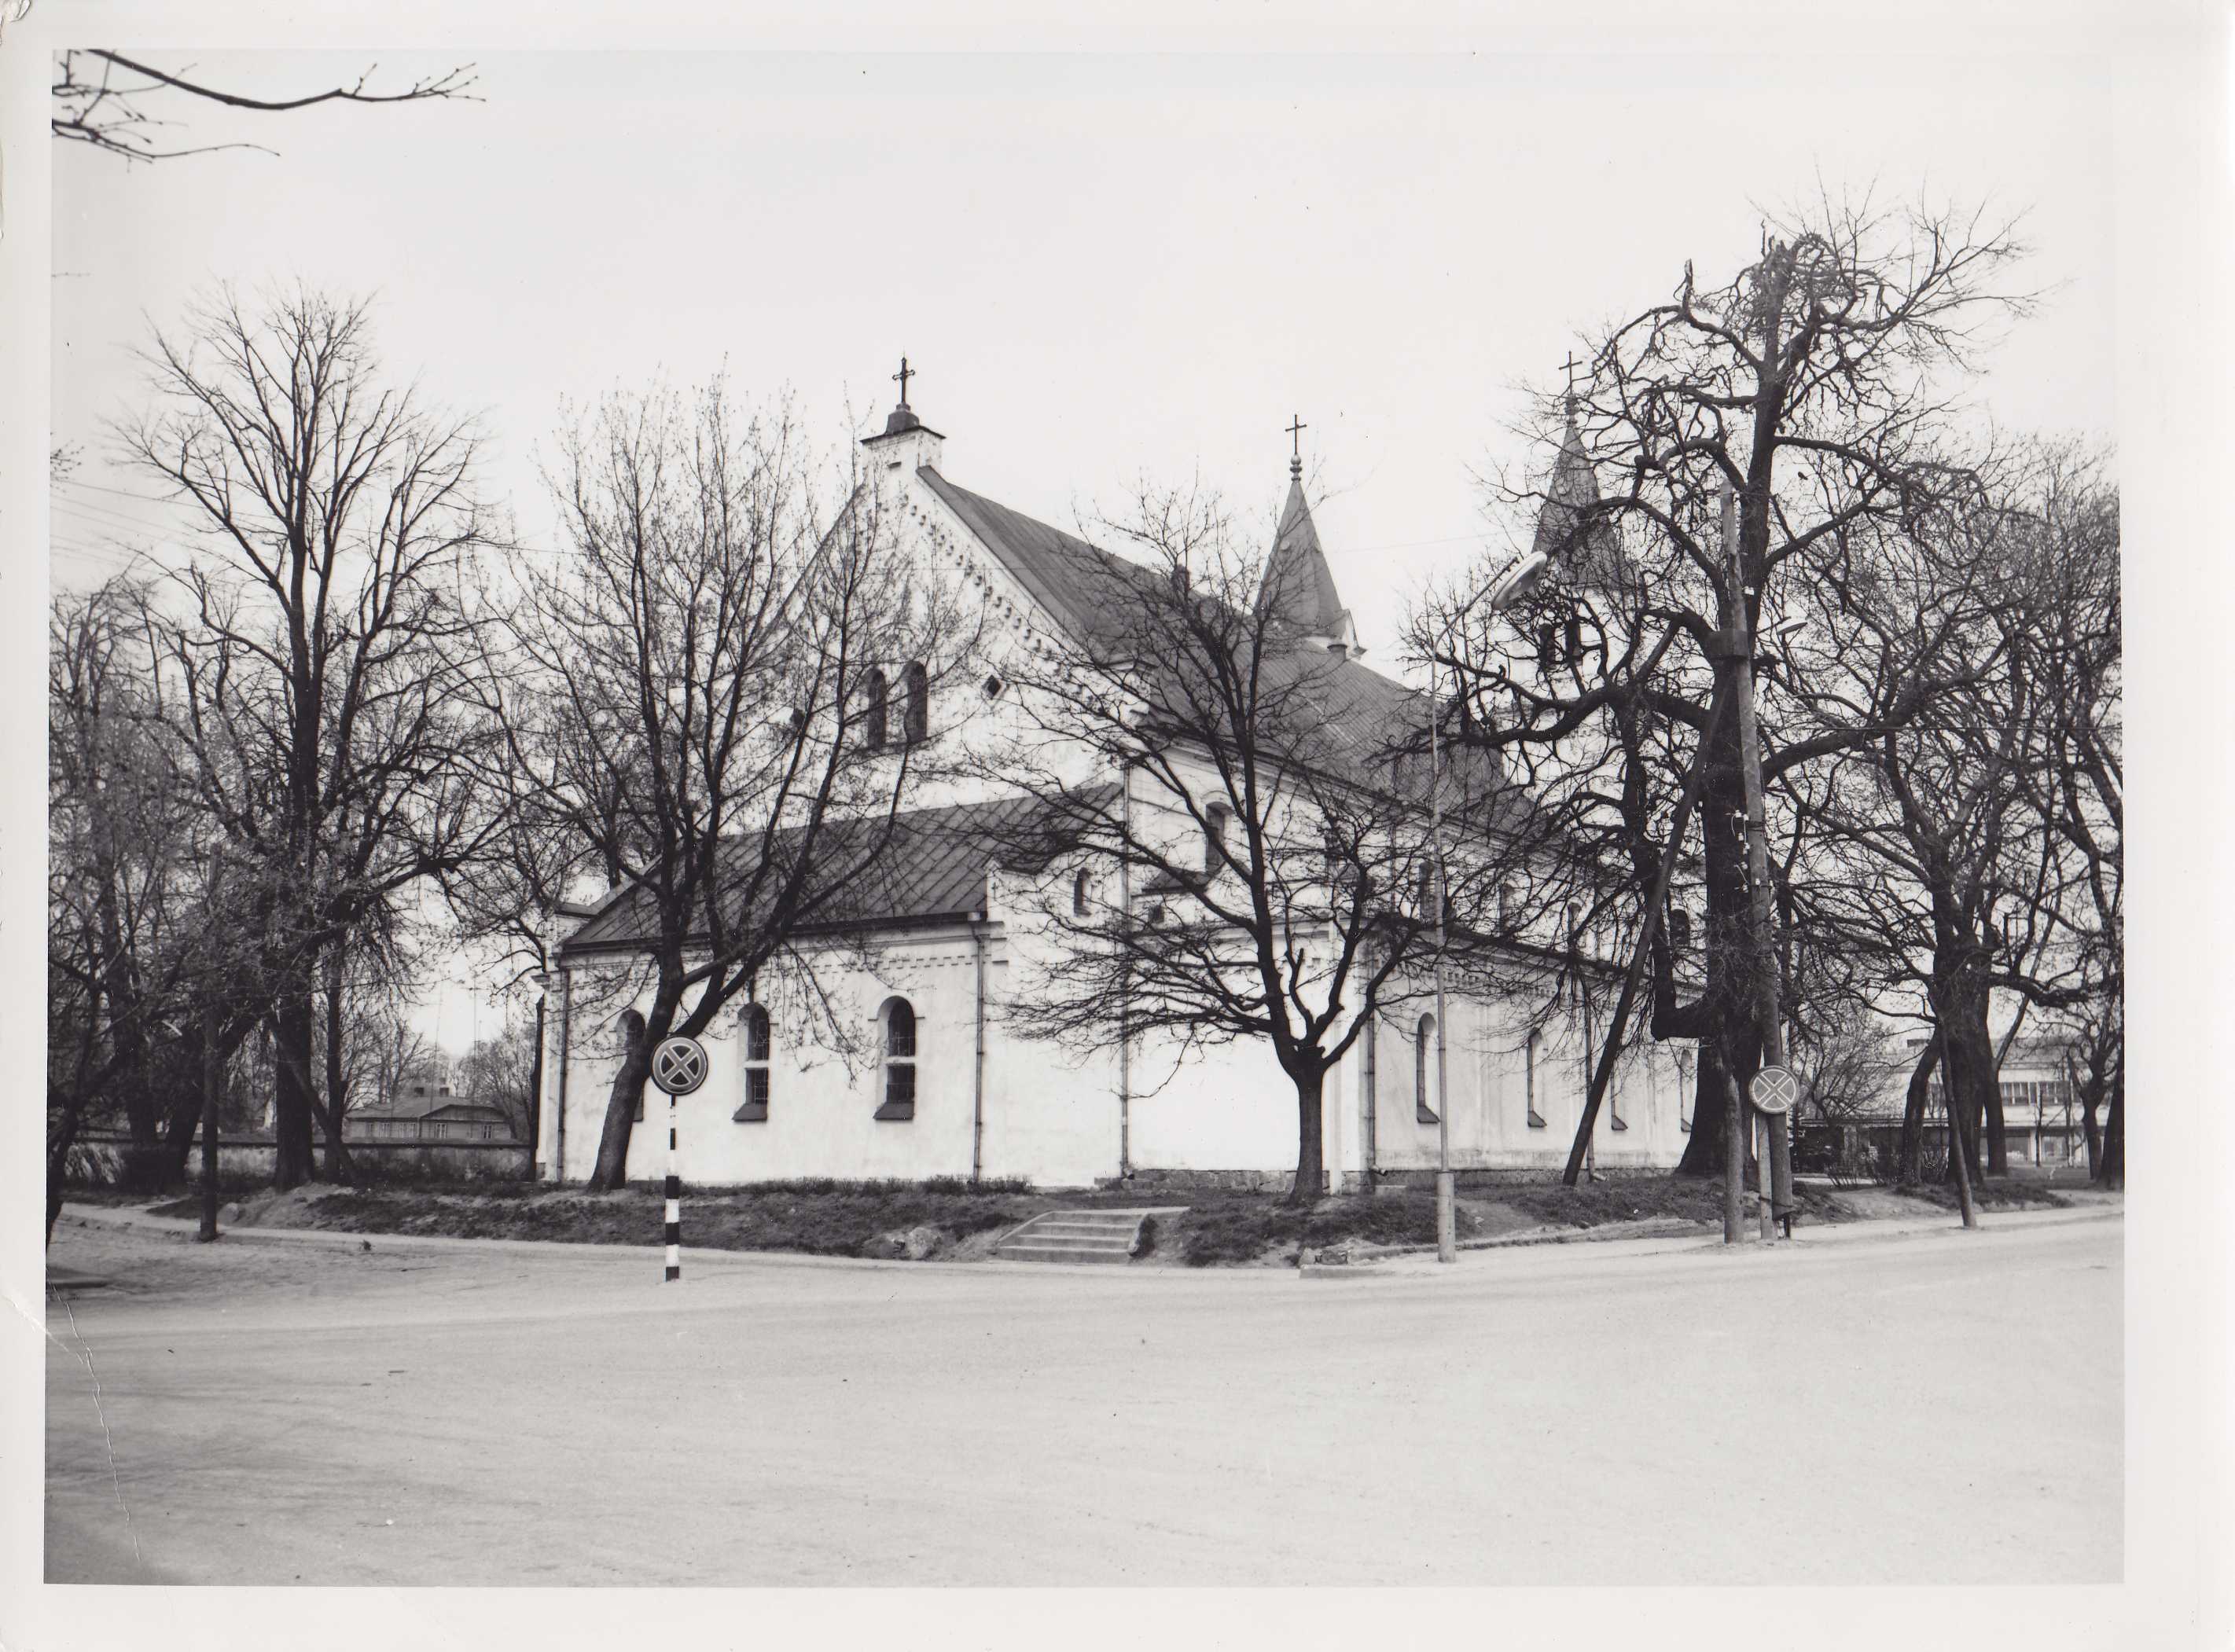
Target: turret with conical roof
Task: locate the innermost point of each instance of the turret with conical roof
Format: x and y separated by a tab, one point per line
1573	489
1299	589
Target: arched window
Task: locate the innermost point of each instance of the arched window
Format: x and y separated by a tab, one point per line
899	1018
1427	889
628	1033
917	728
1528	1079
1214	836
1080	887
1423	1043
1680	930
874	693
756	1027
1569	922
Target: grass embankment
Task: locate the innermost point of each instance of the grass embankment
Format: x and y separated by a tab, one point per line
1256	1227
950	1218
1990	1195
821	1217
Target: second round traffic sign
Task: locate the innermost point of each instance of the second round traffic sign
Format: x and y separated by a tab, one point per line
1774	1090
679	1066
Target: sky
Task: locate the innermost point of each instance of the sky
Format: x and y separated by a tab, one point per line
1104	269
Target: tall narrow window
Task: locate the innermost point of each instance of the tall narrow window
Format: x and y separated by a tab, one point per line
1509	904
1079	890
1214	836
917	728
873	692
1427	889
1680	930
899	1060
1528	1079
757	1041
1423	1047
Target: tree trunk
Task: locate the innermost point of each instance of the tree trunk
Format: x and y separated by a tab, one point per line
2111	1175
1311	1170
335	1114
1726	1029
59	1140
2094	1135
291	1164
1909	1166
611	1168
1959	1004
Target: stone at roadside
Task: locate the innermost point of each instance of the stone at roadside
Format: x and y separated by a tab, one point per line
905	1244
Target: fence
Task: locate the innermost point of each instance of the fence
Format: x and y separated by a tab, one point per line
99	1157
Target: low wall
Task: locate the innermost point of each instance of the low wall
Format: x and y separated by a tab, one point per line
100	1158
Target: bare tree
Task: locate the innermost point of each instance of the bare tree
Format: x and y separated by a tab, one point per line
696	702
1813	385
103	98
1243	817
323	670
500	1072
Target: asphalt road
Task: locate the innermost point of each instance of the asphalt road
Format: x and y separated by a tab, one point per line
1936	1408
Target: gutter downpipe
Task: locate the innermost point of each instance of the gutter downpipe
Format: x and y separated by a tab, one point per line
977	1067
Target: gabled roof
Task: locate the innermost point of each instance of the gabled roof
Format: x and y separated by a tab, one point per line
933	867
1365	718
1298	587
1068	576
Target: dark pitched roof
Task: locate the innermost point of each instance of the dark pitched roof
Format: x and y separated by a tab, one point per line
932	866
1299	585
1366	718
1068	576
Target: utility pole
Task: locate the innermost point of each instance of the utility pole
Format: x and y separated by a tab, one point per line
1773	1167
209	1229
1447	1238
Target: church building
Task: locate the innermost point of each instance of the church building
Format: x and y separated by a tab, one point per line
934	1081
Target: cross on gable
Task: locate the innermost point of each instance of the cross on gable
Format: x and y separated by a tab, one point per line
904	375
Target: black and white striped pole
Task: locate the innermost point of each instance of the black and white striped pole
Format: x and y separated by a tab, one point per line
679	1066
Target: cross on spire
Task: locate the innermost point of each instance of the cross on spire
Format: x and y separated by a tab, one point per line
904	375
1296	427
1571	383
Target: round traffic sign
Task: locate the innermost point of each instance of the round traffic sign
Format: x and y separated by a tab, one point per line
1774	1090
679	1066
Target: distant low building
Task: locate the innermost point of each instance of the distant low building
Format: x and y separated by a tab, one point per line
2043	1125
426	1110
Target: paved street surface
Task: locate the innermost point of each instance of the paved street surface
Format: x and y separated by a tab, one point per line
1941	1408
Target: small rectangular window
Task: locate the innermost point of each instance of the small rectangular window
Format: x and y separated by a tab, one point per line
899	1092
755	1110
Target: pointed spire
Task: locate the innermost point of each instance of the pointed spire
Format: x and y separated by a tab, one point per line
1299	589
1574	488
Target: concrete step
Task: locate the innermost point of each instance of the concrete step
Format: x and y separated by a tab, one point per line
1026	1250
1101	1236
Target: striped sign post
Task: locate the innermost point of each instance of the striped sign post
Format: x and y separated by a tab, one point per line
679	1066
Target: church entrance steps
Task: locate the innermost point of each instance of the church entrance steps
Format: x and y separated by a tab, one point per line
1080	1235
